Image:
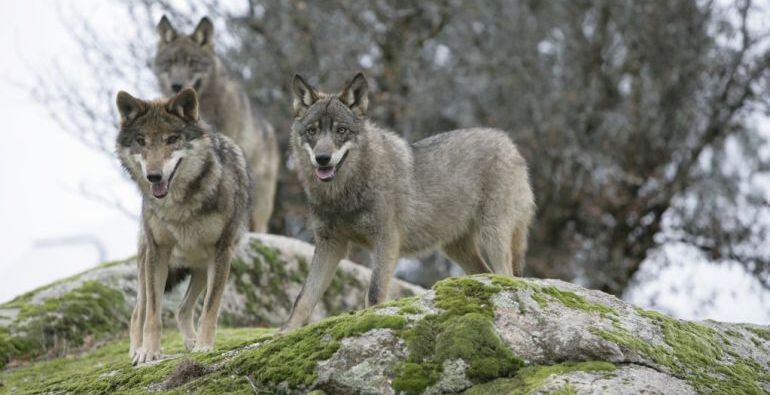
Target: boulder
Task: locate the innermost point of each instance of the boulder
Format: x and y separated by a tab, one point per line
482	334
266	276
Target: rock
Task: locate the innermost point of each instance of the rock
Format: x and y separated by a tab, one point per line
479	334
266	276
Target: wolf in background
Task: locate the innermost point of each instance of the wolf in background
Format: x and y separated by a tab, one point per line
466	192
196	201
189	61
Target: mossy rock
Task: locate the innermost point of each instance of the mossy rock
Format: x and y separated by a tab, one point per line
95	305
478	334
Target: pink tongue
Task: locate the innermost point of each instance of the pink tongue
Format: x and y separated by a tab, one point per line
159	189
325	173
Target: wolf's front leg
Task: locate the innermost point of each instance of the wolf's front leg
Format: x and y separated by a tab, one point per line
385	258
155	272
184	316
215	289
137	317
328	254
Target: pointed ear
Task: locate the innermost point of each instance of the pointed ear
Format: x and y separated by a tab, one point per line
184	104
129	107
356	95
304	95
203	32
166	32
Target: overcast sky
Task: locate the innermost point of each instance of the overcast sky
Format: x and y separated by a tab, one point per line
50	230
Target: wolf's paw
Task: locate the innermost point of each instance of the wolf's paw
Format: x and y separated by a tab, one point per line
286	328
189	343
203	348
143	355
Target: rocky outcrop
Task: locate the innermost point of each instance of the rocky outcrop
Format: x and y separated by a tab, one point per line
479	335
266	276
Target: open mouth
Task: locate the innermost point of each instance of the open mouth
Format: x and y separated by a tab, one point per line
160	189
327	173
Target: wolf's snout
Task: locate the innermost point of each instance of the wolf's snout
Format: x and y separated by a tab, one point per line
323	159
154	177
176	87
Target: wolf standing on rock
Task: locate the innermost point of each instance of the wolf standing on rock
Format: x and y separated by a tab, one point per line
183	61
196	201
466	192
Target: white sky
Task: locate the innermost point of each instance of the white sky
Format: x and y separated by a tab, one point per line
41	168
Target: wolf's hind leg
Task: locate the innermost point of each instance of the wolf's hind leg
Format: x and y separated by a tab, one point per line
519	249
495	245
184	315
465	253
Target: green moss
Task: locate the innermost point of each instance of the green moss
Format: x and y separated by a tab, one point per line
292	358
566	390
694	353
532	378
761	332
462	330
413	378
407	305
577	302
107	369
472	338
59	324
545	295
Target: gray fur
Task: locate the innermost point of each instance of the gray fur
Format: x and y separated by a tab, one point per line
465	192
189	61
196	224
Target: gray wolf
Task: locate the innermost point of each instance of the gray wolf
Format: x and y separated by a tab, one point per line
465	192
189	61
196	202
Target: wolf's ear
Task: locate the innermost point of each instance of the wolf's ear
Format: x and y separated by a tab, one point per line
184	104
304	95
204	32
129	107
356	95
166	32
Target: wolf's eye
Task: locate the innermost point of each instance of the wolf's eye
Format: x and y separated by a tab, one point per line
310	131
173	139
342	130
140	140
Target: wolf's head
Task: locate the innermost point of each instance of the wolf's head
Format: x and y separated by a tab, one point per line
185	61
156	137
328	129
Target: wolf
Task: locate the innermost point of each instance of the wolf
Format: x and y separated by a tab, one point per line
189	61
197	197
466	192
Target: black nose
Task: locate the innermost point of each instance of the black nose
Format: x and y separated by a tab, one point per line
176	87
154	177
323	160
